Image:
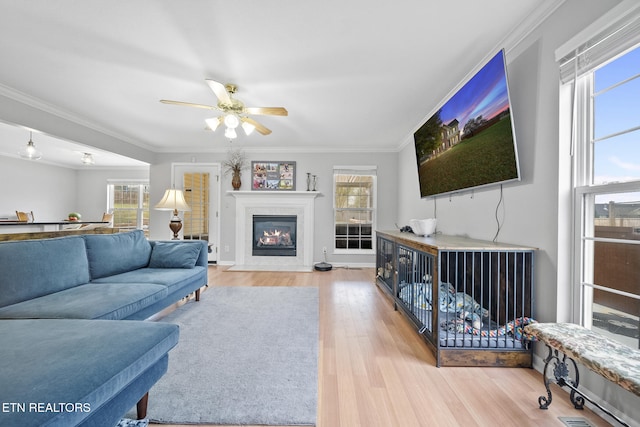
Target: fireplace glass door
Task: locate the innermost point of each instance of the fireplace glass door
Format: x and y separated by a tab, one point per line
274	235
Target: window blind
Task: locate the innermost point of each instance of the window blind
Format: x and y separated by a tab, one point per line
355	170
605	45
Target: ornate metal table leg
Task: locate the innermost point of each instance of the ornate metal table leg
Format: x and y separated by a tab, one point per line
561	376
576	398
545	401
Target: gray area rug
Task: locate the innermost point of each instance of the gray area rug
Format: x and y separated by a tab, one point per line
246	355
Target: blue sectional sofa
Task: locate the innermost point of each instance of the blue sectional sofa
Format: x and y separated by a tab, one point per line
67	311
98	276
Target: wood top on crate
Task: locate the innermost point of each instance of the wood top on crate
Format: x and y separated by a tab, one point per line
448	242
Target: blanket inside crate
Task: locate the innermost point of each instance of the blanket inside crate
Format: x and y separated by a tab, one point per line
463	322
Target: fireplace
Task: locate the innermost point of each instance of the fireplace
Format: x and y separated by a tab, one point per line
274	235
274	203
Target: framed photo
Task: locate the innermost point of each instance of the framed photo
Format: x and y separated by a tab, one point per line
273	176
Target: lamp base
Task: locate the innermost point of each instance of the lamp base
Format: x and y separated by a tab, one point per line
175	225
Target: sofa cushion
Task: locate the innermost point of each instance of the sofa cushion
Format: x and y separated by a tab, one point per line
172	278
174	255
116	253
32	268
81	362
111	301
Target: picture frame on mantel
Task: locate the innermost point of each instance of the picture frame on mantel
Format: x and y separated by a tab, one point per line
273	176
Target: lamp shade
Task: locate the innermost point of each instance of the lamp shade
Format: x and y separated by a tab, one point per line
213	123
173	200
248	128
230	133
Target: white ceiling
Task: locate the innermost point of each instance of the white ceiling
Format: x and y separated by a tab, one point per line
59	152
354	75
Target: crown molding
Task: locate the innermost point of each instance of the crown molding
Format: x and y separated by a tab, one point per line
279	150
511	44
54	110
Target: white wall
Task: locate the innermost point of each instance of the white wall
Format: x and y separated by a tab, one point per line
528	213
25	185
320	164
531	207
91	187
52	192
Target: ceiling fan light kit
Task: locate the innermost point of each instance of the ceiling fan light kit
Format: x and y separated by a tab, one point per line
230	133
213	123
231	121
234	113
248	128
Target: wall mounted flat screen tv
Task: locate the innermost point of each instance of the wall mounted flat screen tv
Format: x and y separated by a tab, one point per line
469	141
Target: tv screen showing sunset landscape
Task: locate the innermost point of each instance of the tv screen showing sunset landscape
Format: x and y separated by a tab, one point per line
469	141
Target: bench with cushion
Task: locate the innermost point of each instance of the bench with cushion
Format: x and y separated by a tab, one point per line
612	360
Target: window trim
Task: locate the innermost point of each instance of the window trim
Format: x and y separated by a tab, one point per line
582	282
140	209
357	170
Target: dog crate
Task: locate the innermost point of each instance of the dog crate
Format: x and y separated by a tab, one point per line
384	262
469	299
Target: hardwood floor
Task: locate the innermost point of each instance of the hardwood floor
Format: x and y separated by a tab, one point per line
375	370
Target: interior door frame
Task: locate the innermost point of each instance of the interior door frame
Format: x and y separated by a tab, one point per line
177	171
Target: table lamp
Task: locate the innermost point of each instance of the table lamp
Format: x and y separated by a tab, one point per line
173	200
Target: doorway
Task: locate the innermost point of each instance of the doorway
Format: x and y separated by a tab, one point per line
200	183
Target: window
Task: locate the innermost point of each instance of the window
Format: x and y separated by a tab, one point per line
129	203
606	186
354	190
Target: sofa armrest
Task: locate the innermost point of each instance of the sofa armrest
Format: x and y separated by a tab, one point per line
203	257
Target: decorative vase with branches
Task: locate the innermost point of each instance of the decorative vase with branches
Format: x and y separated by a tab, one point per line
236	161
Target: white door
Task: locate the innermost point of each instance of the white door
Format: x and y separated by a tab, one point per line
200	183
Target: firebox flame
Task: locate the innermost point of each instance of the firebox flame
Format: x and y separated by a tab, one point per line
275	238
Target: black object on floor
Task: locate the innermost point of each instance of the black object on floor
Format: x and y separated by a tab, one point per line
323	266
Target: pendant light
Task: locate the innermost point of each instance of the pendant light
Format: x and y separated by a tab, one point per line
87	159
30	151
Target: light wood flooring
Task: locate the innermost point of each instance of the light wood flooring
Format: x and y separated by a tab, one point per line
375	370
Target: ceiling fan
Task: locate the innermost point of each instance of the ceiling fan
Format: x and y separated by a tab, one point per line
233	111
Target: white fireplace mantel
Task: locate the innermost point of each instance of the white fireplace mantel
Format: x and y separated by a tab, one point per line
273	194
299	203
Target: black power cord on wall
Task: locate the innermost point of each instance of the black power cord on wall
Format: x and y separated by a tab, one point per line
500	202
323	266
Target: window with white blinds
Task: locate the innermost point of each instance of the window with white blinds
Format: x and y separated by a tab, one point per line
197	196
354	204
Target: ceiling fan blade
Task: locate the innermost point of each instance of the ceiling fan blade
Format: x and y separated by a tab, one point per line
270	111
220	91
188	104
260	128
